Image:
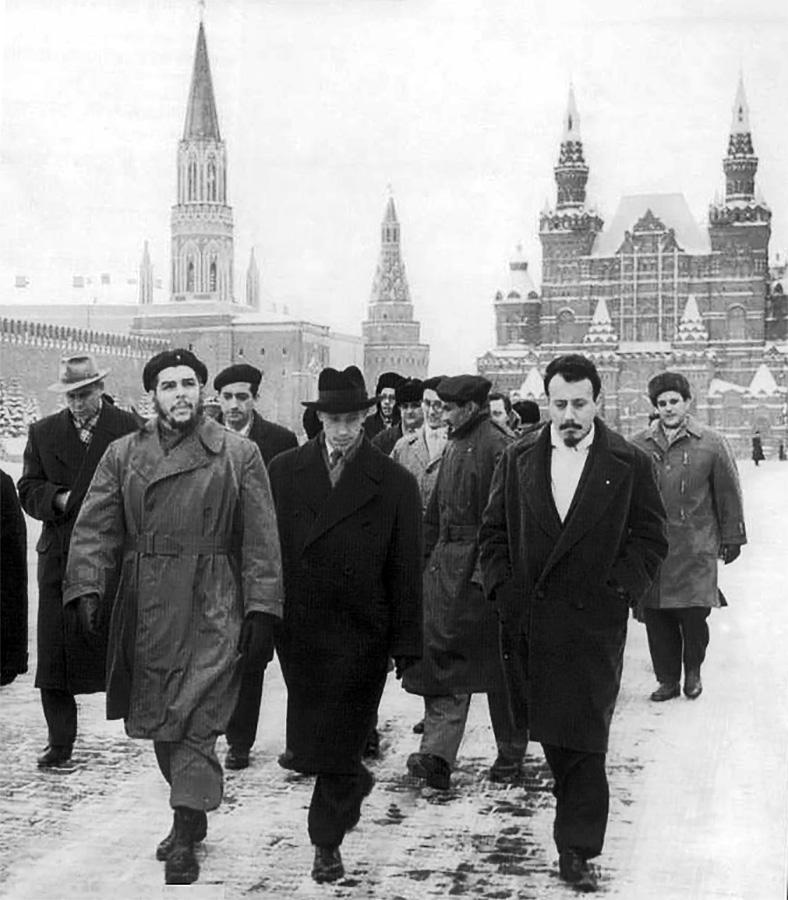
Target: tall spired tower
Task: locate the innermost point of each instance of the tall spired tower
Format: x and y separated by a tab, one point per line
391	336
202	221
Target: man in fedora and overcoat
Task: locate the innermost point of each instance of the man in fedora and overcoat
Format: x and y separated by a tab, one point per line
60	458
350	530
237	387
181	510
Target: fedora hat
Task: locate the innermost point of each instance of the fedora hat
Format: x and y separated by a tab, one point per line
340	392
76	372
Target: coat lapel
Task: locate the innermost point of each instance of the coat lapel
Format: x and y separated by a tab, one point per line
192	453
535	485
312	481
358	484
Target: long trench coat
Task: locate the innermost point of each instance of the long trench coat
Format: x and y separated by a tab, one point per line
352	575
460	628
699	483
411	451
191	536
558	584
55	460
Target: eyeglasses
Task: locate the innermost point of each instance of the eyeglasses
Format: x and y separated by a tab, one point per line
434	404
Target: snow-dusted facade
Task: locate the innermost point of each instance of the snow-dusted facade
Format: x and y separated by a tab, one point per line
652	290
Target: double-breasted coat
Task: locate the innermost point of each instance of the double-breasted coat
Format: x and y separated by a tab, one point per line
56	460
189	538
271	439
411	451
352	575
699	483
564	587
460	629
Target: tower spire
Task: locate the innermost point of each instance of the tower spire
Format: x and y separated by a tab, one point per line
571	173
741	163
202	122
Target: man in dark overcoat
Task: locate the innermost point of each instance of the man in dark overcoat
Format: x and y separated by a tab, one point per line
237	388
13	583
460	655
573	534
350	530
182	511
408	396
60	458
386	411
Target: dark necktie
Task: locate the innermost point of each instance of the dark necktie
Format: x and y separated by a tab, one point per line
333	458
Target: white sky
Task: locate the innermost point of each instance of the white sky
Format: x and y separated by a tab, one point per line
457	103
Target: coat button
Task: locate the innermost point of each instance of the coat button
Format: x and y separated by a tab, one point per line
506	656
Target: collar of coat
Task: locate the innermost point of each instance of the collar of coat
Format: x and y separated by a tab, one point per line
209	432
691	426
471	425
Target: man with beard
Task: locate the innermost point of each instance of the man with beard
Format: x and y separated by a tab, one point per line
573	534
699	484
350	526
60	458
386	413
178	535
237	387
408	398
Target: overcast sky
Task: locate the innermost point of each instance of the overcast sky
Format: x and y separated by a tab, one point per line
457	104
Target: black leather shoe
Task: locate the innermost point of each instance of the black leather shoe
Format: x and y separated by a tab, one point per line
166	845
693	686
434	769
667	690
285	760
327	865
574	870
236	758
418	728
181	866
505	770
54	757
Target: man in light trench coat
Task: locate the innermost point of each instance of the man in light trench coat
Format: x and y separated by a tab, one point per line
699	483
178	535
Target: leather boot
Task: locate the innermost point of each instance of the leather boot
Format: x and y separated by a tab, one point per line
693	686
181	866
327	865
166	844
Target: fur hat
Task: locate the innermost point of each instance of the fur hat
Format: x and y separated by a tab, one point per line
668	381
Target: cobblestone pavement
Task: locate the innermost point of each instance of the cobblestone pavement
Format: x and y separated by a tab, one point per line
698	789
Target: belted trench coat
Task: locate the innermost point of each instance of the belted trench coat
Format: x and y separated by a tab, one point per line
180	546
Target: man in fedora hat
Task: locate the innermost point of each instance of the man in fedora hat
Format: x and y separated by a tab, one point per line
237	387
182	508
350	530
60	458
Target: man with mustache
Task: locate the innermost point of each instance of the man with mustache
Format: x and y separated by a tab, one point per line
573	534
178	536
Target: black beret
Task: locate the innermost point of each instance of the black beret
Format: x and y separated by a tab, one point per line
389	380
410	391
462	388
431	384
668	381
166	360
238	372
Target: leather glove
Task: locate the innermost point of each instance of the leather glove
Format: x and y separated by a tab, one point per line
7	676
88	608
401	663
729	552
256	643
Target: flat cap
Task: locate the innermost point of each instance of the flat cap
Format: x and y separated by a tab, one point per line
238	372
166	360
668	381
462	388
410	391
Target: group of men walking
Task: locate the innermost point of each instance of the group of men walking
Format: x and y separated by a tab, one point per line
480	555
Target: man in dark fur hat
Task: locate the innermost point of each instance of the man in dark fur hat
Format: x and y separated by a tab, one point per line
350	530
387	412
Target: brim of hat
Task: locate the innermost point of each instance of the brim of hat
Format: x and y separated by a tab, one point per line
59	388
339	407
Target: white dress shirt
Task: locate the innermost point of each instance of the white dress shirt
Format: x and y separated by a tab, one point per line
566	467
435	438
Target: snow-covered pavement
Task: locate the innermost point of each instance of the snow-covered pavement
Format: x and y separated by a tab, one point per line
699	790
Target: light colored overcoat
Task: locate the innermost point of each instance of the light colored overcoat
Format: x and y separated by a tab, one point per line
411	451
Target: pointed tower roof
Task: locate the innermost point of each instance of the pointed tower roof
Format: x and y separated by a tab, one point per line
390	281
763	383
533	386
252	282
522	285
741	110
571	119
692	329
390	216
202	121
601	331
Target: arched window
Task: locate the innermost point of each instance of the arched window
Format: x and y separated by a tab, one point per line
566	326
211	179
191	192
737	323
190	276
212	277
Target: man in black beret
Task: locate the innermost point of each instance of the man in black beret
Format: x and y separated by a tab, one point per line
699	483
177	538
387	412
407	396
460	631
237	388
350	528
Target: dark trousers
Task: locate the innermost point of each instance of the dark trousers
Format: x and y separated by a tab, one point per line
581	799
336	806
242	727
60	712
676	635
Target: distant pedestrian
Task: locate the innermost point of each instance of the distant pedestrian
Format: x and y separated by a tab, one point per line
700	487
386	413
460	655
237	388
529	415
350	528
13	583
781	451
757	448
408	397
182	511
60	458
573	534
502	413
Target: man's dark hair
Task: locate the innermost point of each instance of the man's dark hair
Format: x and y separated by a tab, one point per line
507	403
573	367
528	411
